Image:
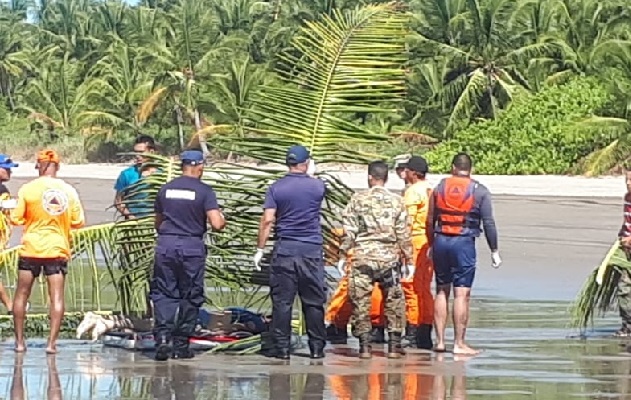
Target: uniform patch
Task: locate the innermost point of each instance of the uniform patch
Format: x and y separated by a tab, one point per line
55	202
180	194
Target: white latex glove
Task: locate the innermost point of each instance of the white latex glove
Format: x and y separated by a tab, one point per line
311	169
9	204
257	259
408	272
496	260
340	267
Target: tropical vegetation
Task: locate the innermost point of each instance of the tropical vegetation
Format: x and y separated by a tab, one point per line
86	76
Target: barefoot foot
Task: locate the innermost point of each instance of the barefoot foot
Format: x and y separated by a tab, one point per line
20	347
464	350
51	349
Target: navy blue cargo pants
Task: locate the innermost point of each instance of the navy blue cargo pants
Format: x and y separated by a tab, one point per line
303	275
177	287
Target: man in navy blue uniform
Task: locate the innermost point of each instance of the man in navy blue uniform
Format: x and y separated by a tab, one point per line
293	205
182	207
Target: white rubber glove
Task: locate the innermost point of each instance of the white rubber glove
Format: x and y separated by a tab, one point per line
9	204
496	260
340	267
409	272
311	169
257	259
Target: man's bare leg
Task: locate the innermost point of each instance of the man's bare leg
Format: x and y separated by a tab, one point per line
22	294
5	299
462	296
57	308
441	312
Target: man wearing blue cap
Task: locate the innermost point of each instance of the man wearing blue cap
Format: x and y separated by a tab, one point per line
182	208
292	205
7	204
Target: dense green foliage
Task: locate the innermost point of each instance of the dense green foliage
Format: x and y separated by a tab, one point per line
520	141
87	75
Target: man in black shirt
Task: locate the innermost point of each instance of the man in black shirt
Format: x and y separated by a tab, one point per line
182	207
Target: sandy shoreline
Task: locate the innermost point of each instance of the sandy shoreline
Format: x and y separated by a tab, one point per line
354	176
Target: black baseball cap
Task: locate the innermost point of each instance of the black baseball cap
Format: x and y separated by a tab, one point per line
417	164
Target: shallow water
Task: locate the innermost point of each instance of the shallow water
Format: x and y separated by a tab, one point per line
527	355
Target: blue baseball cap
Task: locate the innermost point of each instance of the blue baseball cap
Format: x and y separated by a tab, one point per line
297	154
6	162
192	157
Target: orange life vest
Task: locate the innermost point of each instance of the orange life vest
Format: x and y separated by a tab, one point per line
453	202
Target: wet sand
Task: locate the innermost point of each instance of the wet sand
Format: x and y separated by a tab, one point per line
549	245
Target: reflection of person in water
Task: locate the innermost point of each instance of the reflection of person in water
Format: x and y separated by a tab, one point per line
173	383
280	387
53	389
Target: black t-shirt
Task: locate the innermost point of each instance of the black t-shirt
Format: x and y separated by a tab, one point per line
183	203
3	189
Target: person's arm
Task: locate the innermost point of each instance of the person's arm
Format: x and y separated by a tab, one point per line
350	223
158	211
488	221
19	212
403	234
119	186
213	213
267	219
430	222
77	214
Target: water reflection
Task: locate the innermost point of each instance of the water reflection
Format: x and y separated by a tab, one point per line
53	389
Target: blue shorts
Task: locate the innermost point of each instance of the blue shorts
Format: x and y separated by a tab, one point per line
454	260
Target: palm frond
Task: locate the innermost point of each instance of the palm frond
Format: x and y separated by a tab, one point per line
342	64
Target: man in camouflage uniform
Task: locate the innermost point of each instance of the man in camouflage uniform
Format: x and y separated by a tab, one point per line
376	228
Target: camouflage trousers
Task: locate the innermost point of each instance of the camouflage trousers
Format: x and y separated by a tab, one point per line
624	296
360	293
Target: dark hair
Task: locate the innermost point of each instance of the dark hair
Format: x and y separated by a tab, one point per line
145	139
462	162
378	170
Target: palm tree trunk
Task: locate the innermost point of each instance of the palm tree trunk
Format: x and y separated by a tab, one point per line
180	121
198	127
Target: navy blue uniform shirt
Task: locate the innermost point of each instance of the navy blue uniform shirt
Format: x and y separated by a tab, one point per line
183	203
297	199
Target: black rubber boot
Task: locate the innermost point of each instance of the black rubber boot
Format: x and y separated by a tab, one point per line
316	349
378	335
395	349
424	337
335	335
163	348
181	349
365	349
411	333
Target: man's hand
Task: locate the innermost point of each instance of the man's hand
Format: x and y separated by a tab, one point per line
257	259
340	267
429	252
408	272
625	241
496	260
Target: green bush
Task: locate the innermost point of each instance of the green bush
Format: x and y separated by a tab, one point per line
535	135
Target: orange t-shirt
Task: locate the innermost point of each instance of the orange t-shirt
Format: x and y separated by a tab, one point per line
48	208
416	201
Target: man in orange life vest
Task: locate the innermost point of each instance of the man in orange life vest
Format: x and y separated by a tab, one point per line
457	207
418	293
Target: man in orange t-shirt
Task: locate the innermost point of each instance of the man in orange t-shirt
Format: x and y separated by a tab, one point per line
418	294
48	208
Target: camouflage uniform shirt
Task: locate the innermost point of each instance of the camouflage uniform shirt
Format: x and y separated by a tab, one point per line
376	226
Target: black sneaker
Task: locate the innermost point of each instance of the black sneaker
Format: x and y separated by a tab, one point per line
183	354
623	332
335	335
